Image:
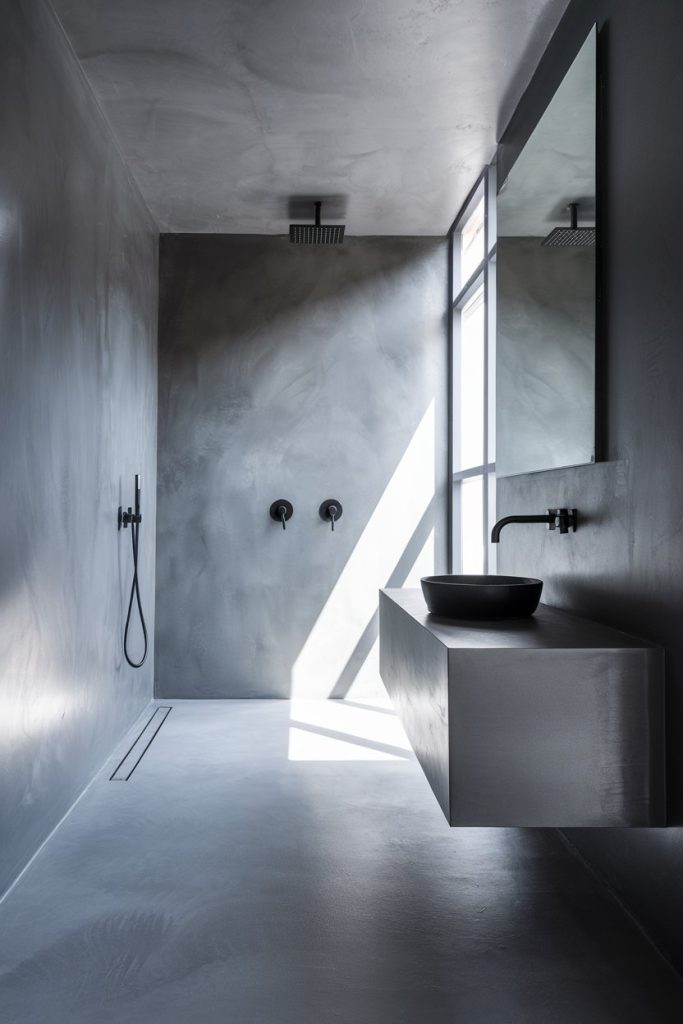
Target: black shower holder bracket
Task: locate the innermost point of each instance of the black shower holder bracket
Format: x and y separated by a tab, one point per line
128	517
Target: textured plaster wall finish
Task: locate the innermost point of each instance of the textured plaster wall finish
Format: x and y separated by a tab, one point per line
545	356
557	164
226	108
624	566
299	373
78	287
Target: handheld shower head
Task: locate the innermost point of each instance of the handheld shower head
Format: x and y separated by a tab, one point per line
133	519
317	234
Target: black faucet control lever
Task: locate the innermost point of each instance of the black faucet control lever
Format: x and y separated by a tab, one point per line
331	511
562	519
281	511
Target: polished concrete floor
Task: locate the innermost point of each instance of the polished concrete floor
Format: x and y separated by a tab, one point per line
286	863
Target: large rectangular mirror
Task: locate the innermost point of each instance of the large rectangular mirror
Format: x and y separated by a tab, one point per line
545	286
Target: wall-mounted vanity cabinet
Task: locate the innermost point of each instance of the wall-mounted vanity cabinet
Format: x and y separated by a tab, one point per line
547	721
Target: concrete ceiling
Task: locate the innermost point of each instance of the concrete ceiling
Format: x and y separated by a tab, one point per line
226	109
557	165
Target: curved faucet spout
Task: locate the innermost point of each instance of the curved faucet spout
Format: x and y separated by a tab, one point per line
495	532
562	519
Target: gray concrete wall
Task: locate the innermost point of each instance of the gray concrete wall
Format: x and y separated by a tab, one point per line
624	566
545	356
78	287
301	373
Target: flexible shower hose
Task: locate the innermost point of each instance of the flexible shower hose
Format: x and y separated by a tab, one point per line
135	596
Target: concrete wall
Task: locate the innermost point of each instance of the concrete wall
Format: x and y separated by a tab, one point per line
624	567
301	373
78	287
545	356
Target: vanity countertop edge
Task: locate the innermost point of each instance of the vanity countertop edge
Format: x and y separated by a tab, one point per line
548	629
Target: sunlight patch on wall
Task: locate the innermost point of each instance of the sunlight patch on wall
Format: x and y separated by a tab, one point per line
423	564
36	715
331	730
366	679
353	601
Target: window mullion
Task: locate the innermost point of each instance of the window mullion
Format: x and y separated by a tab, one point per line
470	353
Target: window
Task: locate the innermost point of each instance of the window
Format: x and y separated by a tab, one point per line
472	399
472	247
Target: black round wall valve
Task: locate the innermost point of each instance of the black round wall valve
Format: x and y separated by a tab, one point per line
281	511
331	510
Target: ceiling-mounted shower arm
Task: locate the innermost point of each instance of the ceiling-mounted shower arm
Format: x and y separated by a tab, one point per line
317	233
573	216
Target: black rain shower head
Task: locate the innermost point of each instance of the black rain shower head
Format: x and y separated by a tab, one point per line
317	234
573	235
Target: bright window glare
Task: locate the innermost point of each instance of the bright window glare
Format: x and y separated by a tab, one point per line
472	243
472	518
333	730
472	383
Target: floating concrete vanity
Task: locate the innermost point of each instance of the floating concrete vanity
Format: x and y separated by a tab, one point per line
547	721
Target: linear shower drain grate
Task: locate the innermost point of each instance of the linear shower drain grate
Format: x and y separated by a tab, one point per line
141	745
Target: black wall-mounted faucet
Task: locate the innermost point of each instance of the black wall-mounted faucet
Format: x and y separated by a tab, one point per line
331	510
562	519
281	511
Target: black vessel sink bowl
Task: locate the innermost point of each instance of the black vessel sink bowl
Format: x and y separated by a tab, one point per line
481	597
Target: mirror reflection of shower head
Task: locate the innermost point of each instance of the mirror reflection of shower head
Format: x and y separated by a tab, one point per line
573	235
317	234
